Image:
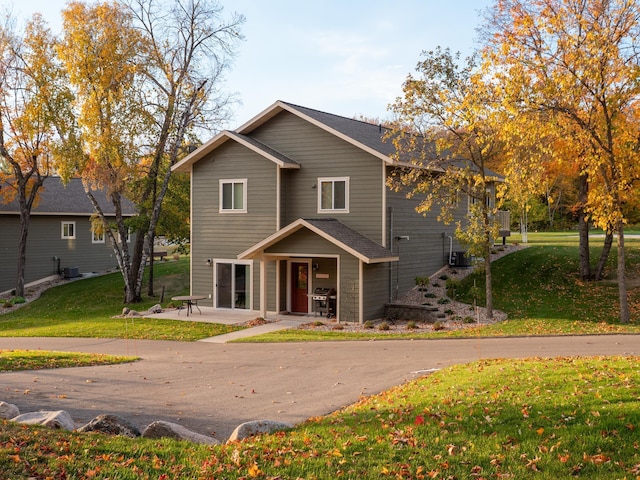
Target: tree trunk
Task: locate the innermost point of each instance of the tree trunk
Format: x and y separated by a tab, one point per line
25	216
583	230
487	273
622	281
606	249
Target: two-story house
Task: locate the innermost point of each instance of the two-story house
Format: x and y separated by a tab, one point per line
61	236
295	200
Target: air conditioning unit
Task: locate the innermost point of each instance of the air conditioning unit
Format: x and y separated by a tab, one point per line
460	259
70	272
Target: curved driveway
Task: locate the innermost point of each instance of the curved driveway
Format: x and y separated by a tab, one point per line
211	388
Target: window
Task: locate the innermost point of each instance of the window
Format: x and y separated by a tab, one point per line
96	236
233	196
333	194
68	230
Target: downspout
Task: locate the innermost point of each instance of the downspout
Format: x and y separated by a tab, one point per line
450	247
391	248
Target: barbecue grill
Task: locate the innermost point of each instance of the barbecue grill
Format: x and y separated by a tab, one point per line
324	301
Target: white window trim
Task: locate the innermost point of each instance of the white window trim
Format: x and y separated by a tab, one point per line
322	180
67	237
100	238
224	181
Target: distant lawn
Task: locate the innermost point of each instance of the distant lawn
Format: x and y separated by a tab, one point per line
513	419
85	308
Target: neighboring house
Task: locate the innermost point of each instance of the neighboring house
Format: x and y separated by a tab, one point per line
295	200
61	238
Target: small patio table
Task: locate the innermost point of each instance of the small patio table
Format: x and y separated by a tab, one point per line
189	301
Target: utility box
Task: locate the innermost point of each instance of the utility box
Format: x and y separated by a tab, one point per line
460	259
70	272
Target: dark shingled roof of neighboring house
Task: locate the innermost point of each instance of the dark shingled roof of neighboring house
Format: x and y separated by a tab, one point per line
56	198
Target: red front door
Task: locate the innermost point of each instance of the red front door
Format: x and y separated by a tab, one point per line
299	287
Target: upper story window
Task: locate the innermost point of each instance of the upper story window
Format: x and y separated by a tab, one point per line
233	196
333	194
68	231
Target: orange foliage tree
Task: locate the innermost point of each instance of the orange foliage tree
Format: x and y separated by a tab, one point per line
33	97
575	63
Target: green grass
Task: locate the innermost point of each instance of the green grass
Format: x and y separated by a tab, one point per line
539	289
542	419
89	308
12	360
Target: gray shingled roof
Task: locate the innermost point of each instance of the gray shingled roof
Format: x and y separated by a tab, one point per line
58	198
265	148
351	238
365	133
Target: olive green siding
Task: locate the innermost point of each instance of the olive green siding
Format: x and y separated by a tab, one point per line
44	242
426	250
375	289
224	235
322	154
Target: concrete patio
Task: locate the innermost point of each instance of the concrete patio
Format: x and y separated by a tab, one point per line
233	317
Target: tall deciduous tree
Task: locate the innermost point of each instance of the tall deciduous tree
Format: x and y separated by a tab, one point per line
577	63
444	129
33	91
146	73
190	46
101	50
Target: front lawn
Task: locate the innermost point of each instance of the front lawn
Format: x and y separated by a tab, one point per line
90	308
543	419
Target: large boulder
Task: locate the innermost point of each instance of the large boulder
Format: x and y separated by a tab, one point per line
112	425
55	419
161	429
257	427
8	410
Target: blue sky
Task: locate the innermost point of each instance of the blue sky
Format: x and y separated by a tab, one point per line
347	57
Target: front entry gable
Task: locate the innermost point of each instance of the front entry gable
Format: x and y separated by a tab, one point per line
331	230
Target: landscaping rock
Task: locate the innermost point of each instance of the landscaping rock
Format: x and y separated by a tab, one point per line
8	410
256	427
157	308
125	311
55	419
161	429
133	313
112	425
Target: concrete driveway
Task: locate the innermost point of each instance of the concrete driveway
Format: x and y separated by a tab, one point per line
211	388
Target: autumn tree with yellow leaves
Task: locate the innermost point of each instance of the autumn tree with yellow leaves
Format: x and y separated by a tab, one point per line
446	145
34	97
575	65
146	75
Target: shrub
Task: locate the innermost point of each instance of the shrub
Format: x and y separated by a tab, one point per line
429	295
444	277
338	326
368	324
452	287
443	301
422	281
448	311
318	323
438	326
383	326
411	325
17	300
435	284
468	319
